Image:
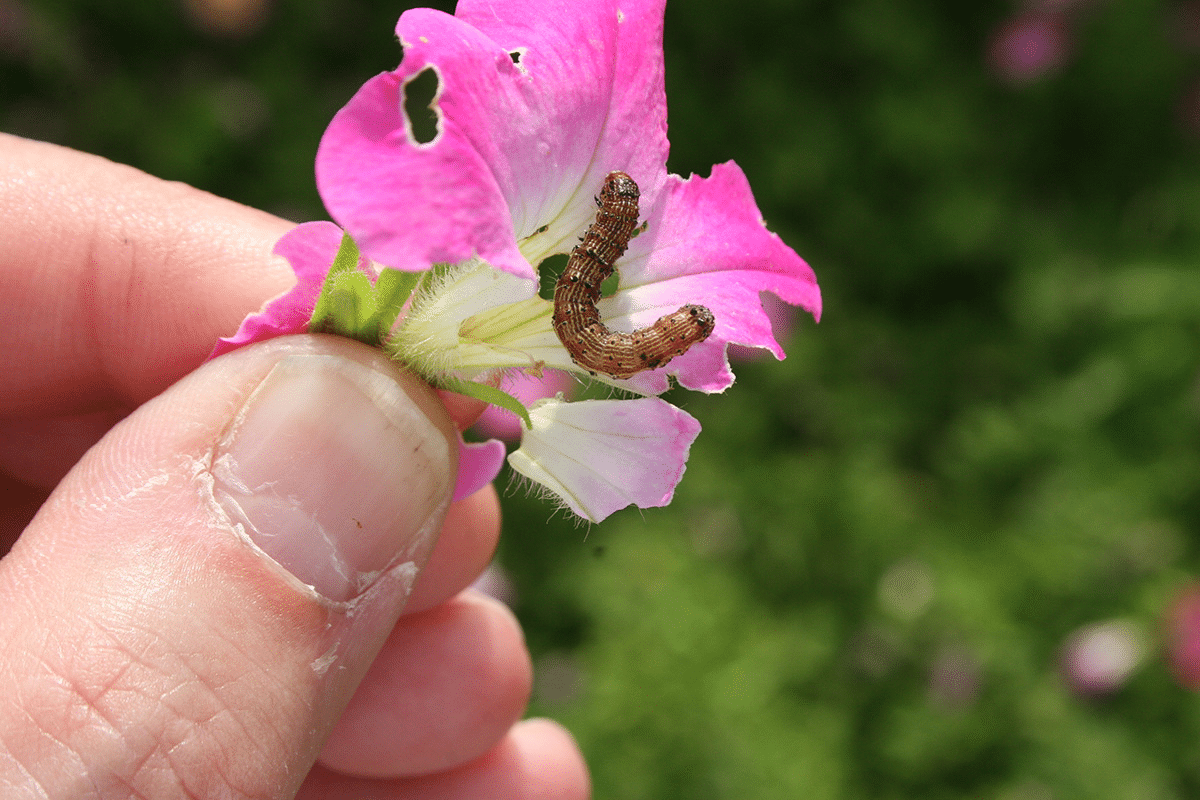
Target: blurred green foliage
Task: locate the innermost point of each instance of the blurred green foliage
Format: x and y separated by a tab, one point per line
881	545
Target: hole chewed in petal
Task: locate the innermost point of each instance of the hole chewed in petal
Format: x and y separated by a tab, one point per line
516	56
422	119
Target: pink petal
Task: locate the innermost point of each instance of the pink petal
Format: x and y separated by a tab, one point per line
1183	636
478	465
599	456
500	423
521	145
706	243
783	321
310	249
1030	45
1101	657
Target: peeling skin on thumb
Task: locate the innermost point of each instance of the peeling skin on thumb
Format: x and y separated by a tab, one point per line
321	665
332	471
403	575
221	519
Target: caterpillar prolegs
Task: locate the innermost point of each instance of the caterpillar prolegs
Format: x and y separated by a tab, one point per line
576	319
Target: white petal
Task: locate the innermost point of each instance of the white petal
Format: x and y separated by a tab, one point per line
602	455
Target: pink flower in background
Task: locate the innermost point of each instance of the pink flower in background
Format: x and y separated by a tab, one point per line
1100	658
955	678
1188	108
536	102
1184	25
1183	636
1031	45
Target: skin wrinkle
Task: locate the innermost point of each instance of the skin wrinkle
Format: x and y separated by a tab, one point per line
99	504
127	244
117	641
111	236
92	700
160	758
262	669
177	755
65	748
167	239
8	752
8	759
88	309
229	244
171	247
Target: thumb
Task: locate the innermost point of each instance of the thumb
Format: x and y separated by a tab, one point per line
192	608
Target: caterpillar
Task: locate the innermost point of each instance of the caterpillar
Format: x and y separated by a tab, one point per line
577	320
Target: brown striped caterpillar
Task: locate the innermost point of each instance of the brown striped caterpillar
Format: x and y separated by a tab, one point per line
576	319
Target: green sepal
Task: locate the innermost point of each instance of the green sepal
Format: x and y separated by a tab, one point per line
392	290
488	394
350	306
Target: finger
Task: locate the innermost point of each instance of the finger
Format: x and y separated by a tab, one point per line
201	594
117	283
464	410
18	503
538	760
139	277
463	551
39	451
35	450
466	658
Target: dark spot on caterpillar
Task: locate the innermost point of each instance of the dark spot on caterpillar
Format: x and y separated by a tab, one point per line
577	320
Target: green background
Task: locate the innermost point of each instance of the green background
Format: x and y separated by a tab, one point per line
881	544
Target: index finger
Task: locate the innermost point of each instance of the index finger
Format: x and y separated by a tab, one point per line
116	283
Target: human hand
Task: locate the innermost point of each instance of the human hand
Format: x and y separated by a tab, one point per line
150	649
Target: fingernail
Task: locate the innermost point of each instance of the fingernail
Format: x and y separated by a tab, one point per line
334	472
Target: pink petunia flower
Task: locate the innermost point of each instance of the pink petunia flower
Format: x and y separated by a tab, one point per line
1031	45
536	102
1100	658
1183	636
